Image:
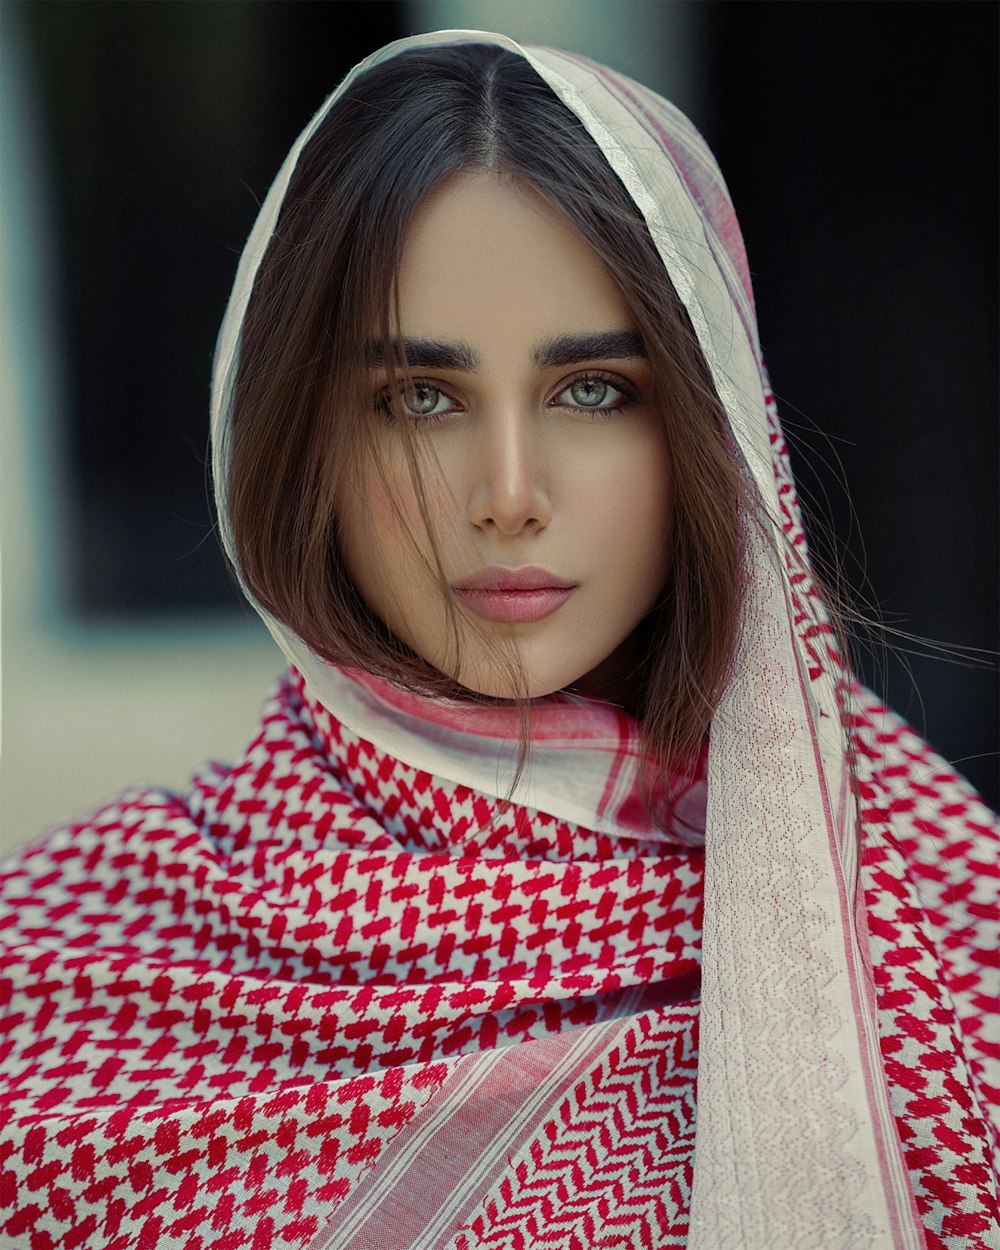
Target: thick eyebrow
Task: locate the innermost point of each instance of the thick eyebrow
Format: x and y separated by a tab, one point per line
425	354
565	349
571	349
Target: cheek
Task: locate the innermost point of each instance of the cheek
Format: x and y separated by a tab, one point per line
654	504
629	506
370	528
385	545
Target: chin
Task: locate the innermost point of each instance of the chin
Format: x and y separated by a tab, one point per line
507	692
530	684
524	671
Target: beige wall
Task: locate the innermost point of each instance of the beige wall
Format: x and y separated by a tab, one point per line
87	714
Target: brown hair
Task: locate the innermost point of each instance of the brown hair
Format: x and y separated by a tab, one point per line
301	420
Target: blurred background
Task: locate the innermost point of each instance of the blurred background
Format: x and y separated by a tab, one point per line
859	142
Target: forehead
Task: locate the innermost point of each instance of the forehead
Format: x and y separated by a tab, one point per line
486	258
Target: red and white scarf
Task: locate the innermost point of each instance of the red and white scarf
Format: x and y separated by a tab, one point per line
339	994
327	999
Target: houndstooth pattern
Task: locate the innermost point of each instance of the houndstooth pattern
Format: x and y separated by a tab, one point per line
219	1007
930	871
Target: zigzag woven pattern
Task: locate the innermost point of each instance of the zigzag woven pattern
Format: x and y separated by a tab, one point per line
612	1167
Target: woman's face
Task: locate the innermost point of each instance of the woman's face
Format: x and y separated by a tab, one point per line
547	473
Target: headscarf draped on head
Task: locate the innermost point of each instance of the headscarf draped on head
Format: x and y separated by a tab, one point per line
436	1041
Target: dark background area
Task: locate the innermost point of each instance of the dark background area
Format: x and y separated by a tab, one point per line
859	142
860	145
167	122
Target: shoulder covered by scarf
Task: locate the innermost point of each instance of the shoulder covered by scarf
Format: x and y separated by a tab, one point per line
341	994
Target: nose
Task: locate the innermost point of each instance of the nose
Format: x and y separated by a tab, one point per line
508	488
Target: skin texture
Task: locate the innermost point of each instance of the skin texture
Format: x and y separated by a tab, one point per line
528	460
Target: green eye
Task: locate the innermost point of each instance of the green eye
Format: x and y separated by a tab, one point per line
421	400
593	393
589	392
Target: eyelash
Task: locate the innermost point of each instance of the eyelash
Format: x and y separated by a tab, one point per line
384	402
629	394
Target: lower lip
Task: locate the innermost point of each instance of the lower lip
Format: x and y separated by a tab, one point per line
517	607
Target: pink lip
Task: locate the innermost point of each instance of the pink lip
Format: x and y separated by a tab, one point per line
517	596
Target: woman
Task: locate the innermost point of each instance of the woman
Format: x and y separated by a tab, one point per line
571	893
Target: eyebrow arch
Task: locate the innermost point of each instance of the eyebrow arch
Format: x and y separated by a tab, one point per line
425	354
571	349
